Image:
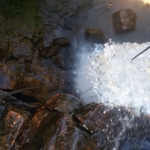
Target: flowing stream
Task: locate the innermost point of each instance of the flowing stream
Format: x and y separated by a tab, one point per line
116	80
112	78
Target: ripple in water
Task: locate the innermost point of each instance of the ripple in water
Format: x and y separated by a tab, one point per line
117	80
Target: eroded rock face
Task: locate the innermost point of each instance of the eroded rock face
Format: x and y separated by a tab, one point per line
52	126
10	126
95	36
3	111
64	62
62	41
124	20
16	76
63	122
21	48
49	51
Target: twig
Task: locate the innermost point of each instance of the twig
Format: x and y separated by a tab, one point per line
140	53
18	91
86	90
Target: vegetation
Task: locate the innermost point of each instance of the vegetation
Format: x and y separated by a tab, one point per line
11	7
20	14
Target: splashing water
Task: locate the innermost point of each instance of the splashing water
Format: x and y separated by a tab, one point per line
117	80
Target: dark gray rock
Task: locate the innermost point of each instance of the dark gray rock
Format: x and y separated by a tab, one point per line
49	51
24	50
62	41
93	35
63	122
14	76
124	20
64	63
3	111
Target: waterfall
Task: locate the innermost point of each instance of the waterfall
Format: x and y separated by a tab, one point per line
116	80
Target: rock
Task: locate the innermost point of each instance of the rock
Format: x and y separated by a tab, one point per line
24	50
3	111
63	103
62	41
124	20
65	59
27	34
10	128
27	106
54	128
21	48
5	55
64	63
59	61
17	76
95	36
9	75
49	51
2	20
4	44
36	58
63	122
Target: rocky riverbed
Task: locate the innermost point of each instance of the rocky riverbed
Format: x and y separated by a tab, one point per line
54	117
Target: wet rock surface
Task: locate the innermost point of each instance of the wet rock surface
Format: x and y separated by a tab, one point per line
50	51
92	126
62	41
44	119
16	76
10	124
95	36
124	20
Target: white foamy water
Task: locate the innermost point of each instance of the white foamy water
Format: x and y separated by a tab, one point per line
117	80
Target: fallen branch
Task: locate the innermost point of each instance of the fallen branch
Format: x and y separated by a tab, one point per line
18	91
86	90
140	53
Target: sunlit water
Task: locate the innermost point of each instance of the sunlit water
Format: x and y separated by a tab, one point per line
116	80
146	1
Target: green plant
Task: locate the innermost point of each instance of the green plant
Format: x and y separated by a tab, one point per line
11	7
20	15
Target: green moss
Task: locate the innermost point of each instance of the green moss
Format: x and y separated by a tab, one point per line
11	7
20	15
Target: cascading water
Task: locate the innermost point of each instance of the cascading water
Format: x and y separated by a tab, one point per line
116	79
122	85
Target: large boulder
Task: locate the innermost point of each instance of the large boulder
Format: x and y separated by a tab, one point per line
52	127
64	123
15	76
124	20
95	36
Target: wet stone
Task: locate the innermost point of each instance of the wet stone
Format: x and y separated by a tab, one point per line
63	103
3	111
62	41
21	48
124	20
64	63
10	127
49	51
54	128
95	36
17	76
